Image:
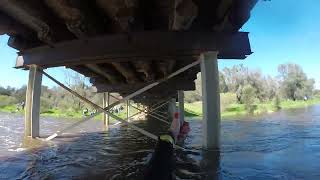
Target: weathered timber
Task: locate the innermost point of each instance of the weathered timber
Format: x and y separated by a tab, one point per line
84	71
103	72
185	12
212	15
11	27
33	14
21	37
79	16
122	12
18	42
145	45
165	66
185	83
146	69
73	17
127	71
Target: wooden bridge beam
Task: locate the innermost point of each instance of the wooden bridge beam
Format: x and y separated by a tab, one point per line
144	46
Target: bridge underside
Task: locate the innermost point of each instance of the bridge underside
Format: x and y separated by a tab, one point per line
125	44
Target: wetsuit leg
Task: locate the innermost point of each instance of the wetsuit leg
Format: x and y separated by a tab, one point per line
161	165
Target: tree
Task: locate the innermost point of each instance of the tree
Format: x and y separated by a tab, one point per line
196	95
20	94
239	76
79	84
235	77
294	82
248	97
6	91
222	83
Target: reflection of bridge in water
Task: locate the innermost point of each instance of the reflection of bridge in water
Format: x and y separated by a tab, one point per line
148	51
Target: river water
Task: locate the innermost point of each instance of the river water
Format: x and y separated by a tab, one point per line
282	145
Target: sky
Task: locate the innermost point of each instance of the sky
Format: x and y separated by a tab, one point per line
281	31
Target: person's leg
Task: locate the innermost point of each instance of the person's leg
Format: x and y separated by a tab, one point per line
161	164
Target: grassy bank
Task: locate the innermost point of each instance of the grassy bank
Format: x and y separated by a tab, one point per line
50	113
195	109
191	109
57	113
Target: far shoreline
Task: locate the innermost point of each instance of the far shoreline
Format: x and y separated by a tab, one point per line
192	110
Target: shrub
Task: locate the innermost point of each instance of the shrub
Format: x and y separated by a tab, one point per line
7	100
46	105
192	96
226	99
277	103
248	98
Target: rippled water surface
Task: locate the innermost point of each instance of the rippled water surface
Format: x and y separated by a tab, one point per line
283	145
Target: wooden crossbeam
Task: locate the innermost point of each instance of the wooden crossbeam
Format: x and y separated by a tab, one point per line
142	45
187	85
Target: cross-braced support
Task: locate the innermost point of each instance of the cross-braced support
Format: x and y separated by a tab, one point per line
106	103
152	112
106	110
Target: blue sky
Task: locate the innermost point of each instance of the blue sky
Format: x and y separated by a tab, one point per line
281	31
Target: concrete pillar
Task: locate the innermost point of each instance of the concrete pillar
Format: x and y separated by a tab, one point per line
128	109
32	109
106	102
211	100
181	106
171	108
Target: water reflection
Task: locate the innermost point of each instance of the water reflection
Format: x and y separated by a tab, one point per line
210	164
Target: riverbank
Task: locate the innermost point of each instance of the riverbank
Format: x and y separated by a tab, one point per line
195	109
57	113
191	109
50	113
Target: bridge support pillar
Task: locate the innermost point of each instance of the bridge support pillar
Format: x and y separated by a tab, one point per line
211	100
32	110
171	108
128	110
181	106
106	102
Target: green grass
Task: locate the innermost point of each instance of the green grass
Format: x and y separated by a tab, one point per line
62	114
191	109
298	104
58	113
195	109
8	108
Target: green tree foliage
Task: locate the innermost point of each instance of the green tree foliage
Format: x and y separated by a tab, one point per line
20	94
238	84
238	77
227	99
222	83
248	97
196	95
294	83
56	97
7	100
277	102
